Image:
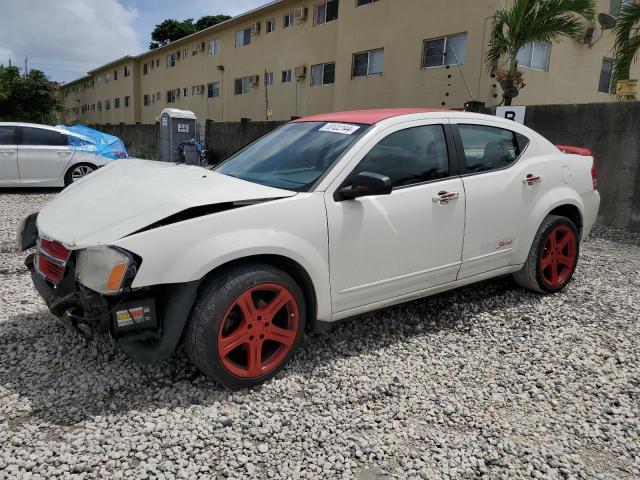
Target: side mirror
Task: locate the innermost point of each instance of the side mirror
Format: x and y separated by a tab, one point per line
367	184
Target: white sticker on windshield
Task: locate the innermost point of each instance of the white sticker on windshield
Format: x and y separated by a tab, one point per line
343	128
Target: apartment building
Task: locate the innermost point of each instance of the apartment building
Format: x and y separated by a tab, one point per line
301	57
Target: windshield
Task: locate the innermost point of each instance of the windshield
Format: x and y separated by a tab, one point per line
294	156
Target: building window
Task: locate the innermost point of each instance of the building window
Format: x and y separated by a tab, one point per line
439	52
287	20
242	85
157	63
146	100
616	5
243	37
271	25
127	70
145	68
360	3
605	85
214	47
213	90
107	104
126	101
268	78
185	92
116	103
115	75
326	12
157	96
171	96
535	55
368	63
286	76
99	106
171	60
323	74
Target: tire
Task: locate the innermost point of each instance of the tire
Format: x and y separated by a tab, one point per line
553	257
231	325
77	171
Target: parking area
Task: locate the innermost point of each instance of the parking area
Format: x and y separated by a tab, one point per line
487	381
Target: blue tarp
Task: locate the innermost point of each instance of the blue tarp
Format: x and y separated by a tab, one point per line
90	140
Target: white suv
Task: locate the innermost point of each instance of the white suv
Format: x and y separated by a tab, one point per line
325	218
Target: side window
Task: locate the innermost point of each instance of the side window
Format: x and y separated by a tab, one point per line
409	156
7	136
40	136
490	148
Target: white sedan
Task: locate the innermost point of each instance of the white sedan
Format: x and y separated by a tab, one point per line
327	217
34	155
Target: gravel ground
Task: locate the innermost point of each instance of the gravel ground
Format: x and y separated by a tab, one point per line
488	381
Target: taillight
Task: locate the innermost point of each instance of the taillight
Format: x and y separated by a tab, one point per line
594	176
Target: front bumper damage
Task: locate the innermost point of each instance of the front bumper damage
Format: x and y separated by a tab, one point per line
147	323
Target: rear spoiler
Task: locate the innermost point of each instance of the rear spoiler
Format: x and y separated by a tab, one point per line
574	150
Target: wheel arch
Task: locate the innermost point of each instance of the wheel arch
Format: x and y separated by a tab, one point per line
287	265
570	211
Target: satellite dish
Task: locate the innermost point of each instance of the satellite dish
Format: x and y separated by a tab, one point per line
606	21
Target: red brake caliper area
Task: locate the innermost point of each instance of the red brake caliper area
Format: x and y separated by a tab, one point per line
559	256
258	331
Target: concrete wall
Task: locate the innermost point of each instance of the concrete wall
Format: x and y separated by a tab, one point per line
225	138
612	132
140	140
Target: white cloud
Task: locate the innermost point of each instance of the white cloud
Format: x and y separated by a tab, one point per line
67	38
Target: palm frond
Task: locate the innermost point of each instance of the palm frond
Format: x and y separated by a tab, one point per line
525	21
627	41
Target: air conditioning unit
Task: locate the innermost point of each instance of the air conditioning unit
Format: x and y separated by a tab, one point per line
254	80
300	14
255	28
301	71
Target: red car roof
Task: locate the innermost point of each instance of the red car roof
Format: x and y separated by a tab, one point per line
368	117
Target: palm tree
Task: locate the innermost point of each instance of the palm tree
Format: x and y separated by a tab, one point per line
627	41
525	21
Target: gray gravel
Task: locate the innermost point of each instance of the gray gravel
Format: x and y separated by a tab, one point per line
488	381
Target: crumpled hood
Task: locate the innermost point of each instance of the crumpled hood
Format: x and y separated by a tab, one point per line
128	195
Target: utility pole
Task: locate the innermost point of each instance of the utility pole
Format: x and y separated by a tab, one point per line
9	63
26	66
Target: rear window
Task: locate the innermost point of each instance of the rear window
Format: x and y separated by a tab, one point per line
43	137
490	148
7	135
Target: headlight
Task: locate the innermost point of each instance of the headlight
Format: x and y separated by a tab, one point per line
104	269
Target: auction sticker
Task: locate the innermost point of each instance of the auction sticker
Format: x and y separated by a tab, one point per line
343	128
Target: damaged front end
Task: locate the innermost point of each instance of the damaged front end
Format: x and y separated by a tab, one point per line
146	322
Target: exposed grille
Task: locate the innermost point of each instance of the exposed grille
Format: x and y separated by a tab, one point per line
51	260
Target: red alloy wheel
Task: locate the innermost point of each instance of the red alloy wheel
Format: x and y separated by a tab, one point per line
258	330
559	257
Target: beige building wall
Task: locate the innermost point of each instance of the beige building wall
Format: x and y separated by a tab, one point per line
398	26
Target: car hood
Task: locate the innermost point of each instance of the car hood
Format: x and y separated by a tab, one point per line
130	195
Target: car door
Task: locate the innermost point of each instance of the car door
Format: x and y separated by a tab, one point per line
8	155
43	155
385	247
504	183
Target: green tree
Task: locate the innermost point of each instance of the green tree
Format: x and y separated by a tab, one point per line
171	30
627	41
210	20
525	21
29	99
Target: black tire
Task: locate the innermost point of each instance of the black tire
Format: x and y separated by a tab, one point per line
69	176
537	274
218	302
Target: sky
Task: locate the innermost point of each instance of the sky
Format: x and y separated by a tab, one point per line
65	39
